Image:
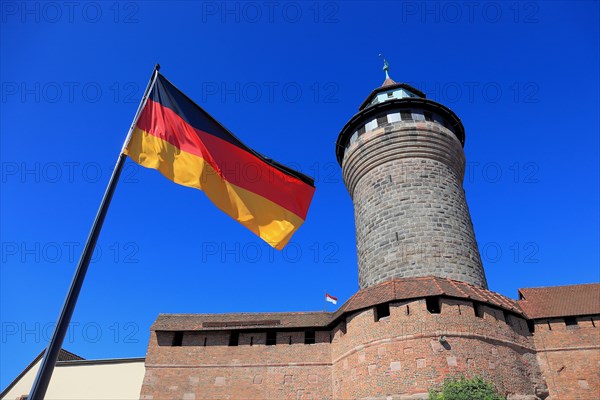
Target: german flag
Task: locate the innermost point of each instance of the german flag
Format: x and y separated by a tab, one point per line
191	148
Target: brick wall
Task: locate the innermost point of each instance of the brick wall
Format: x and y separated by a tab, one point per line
410	209
399	355
217	371
569	357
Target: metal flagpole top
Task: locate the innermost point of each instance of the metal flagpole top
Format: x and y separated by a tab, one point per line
141	106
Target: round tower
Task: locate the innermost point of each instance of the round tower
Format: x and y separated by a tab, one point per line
403	163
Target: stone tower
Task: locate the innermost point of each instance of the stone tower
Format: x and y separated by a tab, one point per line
403	163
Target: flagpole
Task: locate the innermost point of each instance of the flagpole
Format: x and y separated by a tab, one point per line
40	385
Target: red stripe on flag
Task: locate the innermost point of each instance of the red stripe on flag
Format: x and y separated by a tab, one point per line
234	164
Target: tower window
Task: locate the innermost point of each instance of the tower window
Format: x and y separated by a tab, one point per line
309	337
406	115
428	116
477	310
390	95
433	304
418	116
361	130
271	338
177	339
531	326
382	311
205	340
234	338
382	120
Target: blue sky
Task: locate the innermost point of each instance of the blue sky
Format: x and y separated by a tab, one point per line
284	77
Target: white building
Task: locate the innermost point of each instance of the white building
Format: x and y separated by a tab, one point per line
79	379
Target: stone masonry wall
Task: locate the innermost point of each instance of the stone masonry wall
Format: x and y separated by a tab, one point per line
401	356
410	210
569	357
218	371
397	356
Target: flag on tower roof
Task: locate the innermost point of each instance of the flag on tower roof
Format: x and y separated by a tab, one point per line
178	138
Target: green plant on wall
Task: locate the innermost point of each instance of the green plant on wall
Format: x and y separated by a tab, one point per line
465	389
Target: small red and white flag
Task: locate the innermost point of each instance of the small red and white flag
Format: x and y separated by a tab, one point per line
330	298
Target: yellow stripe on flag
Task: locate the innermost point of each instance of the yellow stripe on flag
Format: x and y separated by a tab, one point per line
273	223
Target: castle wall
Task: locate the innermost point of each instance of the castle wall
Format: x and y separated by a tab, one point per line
401	355
569	357
218	371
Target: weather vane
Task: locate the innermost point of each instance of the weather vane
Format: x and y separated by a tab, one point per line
386	67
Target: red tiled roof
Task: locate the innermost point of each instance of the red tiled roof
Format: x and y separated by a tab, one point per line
410	288
215	322
560	301
392	290
388	82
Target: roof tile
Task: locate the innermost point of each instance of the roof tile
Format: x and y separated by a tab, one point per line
391	290
560	301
